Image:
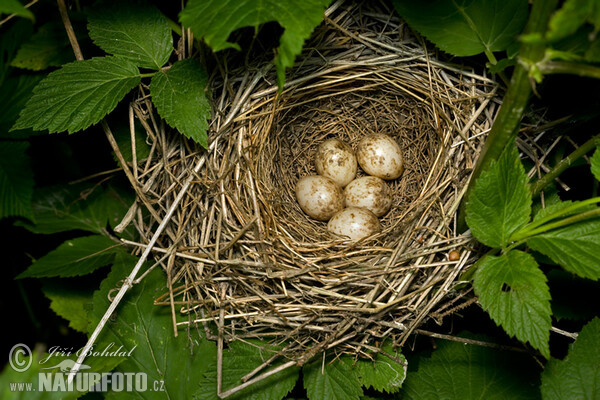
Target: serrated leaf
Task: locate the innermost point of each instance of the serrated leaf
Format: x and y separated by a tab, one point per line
578	375
140	34
240	359
48	47
78	95
500	202
569	18
466	27
178	94
15	7
335	380
513	290
75	257
14	93
146	331
595	161
71	302
215	20
16	180
575	247
77	207
471	372
383	373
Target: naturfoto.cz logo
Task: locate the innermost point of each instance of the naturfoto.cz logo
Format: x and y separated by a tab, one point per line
53	377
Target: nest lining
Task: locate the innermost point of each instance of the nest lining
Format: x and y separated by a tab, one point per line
239	252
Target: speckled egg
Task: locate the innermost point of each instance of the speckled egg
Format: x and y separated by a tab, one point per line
379	155
319	196
355	223
369	192
336	160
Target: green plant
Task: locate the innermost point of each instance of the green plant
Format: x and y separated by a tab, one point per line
135	51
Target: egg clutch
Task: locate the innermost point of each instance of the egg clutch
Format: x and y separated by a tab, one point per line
351	205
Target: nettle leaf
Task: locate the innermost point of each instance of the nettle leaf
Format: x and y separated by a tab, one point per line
79	94
72	302
48	47
240	359
469	372
75	257
77	207
140	34
595	160
334	380
215	20
180	98
573	13
513	290
15	7
14	93
575	247
383	373
146	331
16	180
500	202
578	375
466	27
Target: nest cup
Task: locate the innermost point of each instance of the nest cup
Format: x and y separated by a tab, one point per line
239	252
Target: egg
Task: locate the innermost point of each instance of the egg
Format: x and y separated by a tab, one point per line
336	160
379	155
356	223
369	192
319	196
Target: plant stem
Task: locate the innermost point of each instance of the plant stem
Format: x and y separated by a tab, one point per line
565	163
509	116
564	222
566	67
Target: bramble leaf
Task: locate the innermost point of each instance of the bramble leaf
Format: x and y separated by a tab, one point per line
15	7
179	96
382	374
75	257
466	27
215	20
513	290
70	302
574	247
48	47
16	180
146	332
123	138
470	372
78	95
500	202
240	359
140	34
14	93
333	381
595	160
571	16
578	375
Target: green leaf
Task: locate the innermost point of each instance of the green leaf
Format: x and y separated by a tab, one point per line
70	301
75	257
500	202
383	373
77	207
466	27
240	359
78	95
146	331
578	375
16	180
10	41
48	47
123	138
575	247
469	372
513	290
334	380
180	98
14	93
571	16
140	34
215	20
595	160
15	7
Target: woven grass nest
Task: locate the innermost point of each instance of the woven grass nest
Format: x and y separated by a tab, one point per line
240	254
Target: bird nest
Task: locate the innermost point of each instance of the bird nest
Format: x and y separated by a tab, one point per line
244	261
